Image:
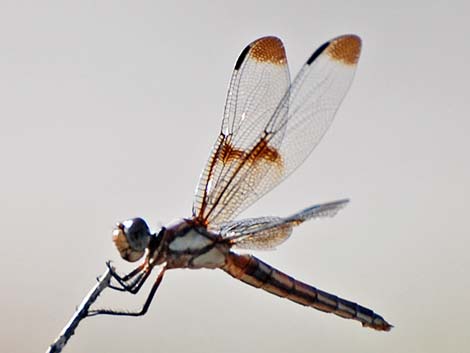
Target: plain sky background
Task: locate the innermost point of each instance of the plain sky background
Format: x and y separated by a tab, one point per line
108	111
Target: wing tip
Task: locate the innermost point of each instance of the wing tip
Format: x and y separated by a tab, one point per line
241	57
267	49
317	53
345	49
338	203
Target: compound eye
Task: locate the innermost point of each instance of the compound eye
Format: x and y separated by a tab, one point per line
131	238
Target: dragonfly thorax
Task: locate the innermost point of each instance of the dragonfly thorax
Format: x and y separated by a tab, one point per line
184	244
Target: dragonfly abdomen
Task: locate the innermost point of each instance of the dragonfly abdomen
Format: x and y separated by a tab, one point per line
256	273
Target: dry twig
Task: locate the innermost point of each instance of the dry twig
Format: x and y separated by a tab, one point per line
80	313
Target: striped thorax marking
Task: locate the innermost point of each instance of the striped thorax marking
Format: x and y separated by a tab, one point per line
193	247
213	258
191	241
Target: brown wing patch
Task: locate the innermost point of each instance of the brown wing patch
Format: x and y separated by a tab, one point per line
262	152
242	174
269	49
345	49
228	153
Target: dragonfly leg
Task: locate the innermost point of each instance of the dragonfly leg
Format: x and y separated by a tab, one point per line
142	311
137	284
127	286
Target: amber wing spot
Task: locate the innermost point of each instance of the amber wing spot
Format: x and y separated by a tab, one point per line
345	49
269	49
229	154
262	152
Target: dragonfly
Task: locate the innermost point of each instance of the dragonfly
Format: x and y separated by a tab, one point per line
270	125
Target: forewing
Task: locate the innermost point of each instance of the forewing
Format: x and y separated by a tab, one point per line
259	82
252	160
315	96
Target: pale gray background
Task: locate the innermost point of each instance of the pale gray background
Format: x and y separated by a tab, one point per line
108	111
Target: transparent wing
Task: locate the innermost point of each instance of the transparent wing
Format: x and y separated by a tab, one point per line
257	233
256	151
329	209
259	81
269	232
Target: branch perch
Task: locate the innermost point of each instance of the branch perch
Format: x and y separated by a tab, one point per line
80	313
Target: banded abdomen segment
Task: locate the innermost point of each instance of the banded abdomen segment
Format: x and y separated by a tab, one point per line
258	274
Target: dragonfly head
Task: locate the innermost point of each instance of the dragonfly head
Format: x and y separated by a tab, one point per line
131	238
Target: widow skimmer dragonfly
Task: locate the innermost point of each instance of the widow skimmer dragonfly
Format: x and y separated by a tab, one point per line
269	128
